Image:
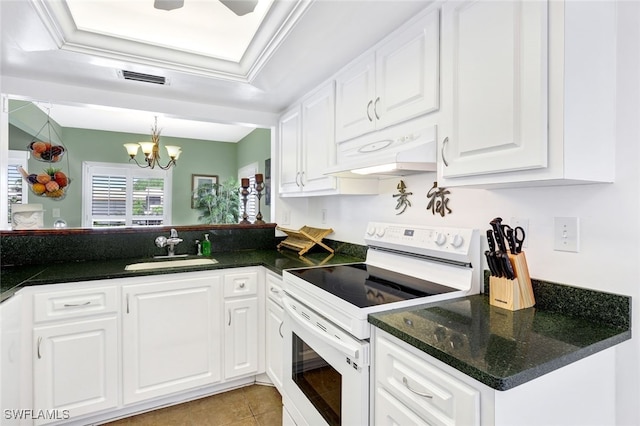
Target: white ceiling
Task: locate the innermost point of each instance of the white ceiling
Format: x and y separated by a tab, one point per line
299	44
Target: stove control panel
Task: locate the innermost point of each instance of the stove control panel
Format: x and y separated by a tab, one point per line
422	239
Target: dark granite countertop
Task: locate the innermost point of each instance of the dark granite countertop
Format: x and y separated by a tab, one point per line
497	347
13	278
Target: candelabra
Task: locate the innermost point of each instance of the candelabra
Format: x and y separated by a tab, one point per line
244	192
259	187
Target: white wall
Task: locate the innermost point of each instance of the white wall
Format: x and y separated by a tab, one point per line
609	214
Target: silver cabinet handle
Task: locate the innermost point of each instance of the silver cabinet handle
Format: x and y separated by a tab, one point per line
302	179
444	144
229	317
71	305
280	330
406	384
369	106
39	342
375	108
127	303
242	284
274	290
297	176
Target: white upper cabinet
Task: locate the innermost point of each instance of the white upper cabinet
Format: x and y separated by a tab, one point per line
528	93
290	140
494	81
396	82
306	144
307	149
318	149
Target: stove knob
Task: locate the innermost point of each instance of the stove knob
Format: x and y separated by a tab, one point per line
371	230
457	241
440	238
380	232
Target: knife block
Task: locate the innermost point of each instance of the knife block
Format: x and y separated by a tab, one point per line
513	294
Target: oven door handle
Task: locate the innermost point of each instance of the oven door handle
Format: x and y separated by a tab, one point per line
345	348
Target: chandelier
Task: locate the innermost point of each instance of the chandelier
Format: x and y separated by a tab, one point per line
151	151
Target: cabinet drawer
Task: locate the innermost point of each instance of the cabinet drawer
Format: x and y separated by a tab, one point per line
56	305
437	397
240	284
274	288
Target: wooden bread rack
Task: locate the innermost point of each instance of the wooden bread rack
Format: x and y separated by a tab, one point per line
303	239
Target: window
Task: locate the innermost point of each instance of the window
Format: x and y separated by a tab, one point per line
17	192
125	195
249	171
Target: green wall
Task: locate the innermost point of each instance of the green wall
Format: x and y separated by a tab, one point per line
197	157
256	147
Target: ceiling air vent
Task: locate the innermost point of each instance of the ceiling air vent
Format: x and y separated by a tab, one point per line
145	78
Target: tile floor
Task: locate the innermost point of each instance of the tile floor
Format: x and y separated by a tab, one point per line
254	405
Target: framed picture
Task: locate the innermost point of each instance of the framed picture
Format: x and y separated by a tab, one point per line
199	180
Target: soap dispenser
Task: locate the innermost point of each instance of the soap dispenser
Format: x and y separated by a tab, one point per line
206	246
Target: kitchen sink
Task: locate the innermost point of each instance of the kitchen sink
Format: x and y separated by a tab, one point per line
169	264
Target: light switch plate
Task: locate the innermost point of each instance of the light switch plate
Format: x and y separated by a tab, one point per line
566	234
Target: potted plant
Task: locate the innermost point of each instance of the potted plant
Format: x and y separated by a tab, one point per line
218	202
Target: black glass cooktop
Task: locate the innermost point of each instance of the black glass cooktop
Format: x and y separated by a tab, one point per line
365	285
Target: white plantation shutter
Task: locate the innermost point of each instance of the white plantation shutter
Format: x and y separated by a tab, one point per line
17	191
252	200
125	195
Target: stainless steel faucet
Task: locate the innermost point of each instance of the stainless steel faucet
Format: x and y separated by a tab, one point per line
170	242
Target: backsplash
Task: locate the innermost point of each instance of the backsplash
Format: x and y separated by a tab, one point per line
606	308
56	246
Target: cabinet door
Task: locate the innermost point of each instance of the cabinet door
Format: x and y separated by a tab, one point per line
241	337
290	128
275	344
75	367
355	96
407	73
318	140
494	79
171	336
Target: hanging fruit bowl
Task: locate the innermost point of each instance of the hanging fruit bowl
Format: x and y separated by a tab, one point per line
46	152
52	183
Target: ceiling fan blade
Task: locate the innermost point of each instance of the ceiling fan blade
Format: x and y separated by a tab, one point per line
168	4
240	7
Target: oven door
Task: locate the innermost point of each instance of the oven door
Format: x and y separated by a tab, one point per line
326	380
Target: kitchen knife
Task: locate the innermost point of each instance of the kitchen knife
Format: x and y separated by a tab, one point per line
513	247
502	258
492	267
497	231
493	259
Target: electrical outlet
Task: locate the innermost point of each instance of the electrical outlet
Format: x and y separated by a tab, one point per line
566	234
286	217
524	224
324	216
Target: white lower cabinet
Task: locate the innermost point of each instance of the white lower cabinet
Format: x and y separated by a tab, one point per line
275	338
75	368
241	337
106	349
171	336
410	389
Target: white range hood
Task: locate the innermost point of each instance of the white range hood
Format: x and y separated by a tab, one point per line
397	151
